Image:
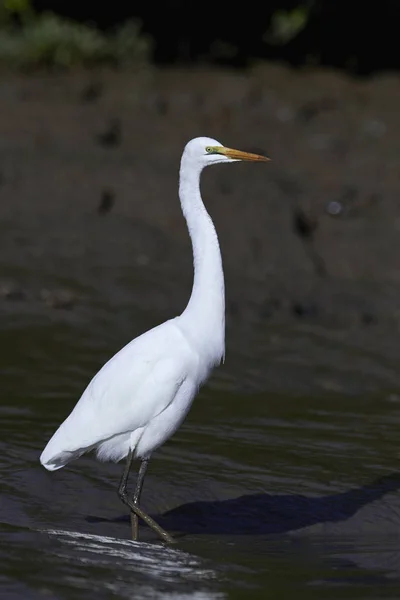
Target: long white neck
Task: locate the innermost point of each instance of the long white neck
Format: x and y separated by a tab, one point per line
204	317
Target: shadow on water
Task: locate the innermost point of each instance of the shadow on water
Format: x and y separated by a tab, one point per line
361	510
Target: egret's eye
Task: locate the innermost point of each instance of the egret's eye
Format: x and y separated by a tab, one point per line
209	150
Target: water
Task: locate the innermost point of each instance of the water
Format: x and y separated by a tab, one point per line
284	480
269	492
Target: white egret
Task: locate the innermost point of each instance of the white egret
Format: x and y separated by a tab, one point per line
140	397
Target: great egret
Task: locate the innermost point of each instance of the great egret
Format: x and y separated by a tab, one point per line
140	397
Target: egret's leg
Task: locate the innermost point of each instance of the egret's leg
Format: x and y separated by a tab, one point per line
136	497
123	494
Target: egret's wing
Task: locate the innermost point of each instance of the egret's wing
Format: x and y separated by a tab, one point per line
137	384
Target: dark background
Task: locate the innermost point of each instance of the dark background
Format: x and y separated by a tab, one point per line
361	37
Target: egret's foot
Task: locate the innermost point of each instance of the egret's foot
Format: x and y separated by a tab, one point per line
150	522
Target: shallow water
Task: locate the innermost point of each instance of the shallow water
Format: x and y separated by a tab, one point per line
284	480
268	491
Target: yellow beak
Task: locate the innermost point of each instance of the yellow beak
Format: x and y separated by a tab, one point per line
240	155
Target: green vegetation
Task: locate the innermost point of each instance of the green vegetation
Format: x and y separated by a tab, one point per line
30	40
287	24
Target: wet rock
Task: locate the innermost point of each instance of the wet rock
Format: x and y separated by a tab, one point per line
368	318
318	263
334	208
254	96
142	260
346	204
58	298
92	92
339	147
304	225
349	194
320	141
270	307
162	106
310	110
12	292
288	186
285	114
106	203
305	309
375	128
256	248
224	187
112	134
233	308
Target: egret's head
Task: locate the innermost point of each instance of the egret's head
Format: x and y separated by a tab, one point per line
203	151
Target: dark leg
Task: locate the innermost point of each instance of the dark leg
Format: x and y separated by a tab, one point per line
123	494
136	497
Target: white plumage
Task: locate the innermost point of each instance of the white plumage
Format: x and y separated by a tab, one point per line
140	396
137	400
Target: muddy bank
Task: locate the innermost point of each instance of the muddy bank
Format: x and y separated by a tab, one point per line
88	180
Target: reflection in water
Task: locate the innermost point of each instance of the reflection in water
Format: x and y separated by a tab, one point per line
154	566
158	560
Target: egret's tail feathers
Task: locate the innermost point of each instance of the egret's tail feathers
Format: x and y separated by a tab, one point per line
68	443
112	449
59	460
